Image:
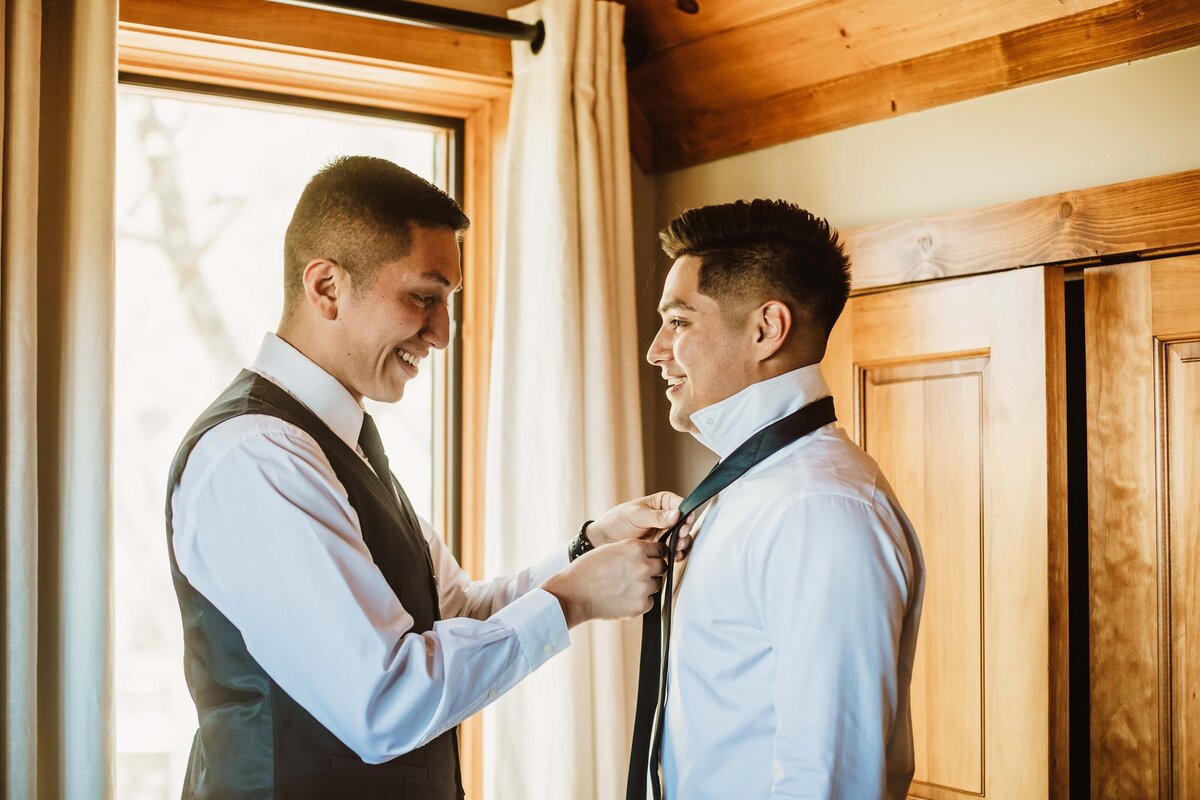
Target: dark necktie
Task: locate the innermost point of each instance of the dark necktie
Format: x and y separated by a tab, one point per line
656	624
372	447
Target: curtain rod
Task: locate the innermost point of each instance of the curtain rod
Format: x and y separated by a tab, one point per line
433	17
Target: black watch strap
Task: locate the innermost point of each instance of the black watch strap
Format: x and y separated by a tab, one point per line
581	543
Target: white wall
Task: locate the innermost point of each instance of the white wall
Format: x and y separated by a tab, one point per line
1115	124
1130	121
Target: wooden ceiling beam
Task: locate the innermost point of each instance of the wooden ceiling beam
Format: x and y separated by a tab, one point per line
661	25
813	44
1113	34
1143	217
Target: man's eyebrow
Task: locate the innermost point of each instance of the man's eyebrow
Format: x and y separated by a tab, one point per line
436	277
673	304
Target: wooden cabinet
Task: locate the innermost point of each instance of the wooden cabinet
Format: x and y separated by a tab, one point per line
956	389
1041	425
1142	324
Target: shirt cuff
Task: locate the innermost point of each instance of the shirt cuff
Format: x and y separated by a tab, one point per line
541	628
550	566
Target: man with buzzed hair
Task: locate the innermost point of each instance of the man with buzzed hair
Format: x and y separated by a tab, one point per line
331	641
791	642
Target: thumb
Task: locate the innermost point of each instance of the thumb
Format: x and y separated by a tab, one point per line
648	518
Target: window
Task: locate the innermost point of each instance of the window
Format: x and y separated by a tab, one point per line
205	188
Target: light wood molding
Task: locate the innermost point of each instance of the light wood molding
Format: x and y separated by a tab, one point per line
1054	318
1179	393
1144	217
282	67
954	388
695	122
1143	401
261	66
316	31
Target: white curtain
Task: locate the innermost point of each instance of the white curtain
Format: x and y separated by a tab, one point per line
56	298
564	429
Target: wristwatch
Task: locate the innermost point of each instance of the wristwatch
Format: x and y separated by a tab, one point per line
581	543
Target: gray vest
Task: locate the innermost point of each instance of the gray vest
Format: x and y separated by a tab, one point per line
254	741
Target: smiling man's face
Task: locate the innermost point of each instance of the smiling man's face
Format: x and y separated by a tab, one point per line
705	355
386	330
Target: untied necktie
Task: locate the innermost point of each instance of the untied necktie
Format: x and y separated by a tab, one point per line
646	753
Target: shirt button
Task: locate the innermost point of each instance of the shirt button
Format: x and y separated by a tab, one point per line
548	649
491	694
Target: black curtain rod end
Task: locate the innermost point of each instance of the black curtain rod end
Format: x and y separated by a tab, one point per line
539	37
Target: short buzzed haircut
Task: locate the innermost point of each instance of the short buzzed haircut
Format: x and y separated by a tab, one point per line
359	211
752	252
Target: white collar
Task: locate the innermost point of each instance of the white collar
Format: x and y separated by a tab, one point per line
303	379
723	426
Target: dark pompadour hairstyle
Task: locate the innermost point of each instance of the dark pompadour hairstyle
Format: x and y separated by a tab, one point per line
751	252
360	211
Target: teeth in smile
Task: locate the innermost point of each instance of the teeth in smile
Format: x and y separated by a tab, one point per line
408	359
674	381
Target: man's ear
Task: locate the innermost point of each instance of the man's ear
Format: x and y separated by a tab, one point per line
773	323
324	283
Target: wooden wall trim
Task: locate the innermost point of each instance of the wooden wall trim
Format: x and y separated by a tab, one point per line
1057	564
321	31
480	100
1113	34
1142	217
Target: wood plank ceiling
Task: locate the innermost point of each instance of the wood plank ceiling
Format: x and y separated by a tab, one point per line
740	75
744	74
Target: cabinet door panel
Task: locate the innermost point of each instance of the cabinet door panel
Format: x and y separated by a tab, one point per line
1143	382
923	423
1181	412
955	388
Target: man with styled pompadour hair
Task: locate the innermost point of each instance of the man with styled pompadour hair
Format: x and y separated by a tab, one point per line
331	641
785	661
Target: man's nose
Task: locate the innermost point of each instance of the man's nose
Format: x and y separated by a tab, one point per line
437	328
657	351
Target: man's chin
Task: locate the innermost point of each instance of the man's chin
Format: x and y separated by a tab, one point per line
392	394
680	420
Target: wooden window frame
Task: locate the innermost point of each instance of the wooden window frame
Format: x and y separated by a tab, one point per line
189	43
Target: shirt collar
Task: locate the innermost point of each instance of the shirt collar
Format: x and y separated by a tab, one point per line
323	394
724	426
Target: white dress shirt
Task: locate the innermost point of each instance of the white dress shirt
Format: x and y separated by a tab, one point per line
265	531
795	620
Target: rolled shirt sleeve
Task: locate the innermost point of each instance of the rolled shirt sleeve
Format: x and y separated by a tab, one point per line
265	531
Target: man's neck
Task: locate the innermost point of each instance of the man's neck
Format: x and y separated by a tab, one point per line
314	348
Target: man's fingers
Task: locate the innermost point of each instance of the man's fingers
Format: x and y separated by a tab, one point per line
649	519
665	501
653	549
